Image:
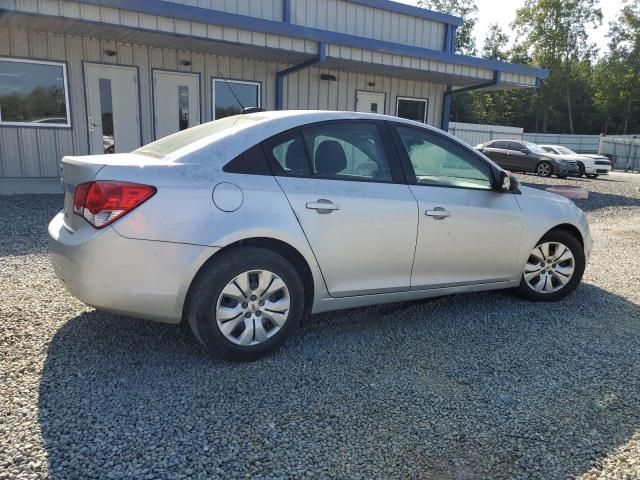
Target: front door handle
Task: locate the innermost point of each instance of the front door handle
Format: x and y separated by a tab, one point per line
438	213
323	206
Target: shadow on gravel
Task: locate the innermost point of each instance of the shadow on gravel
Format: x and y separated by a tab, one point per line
596	200
480	385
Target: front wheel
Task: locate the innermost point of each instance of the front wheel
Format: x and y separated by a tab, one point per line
592	175
246	303
544	169
581	170
554	268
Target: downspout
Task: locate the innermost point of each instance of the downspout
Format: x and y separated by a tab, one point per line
446	100
280	76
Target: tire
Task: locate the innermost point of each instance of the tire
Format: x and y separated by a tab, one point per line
561	176
592	175
544	169
245	339
556	289
581	170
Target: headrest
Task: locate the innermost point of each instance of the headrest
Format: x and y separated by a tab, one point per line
330	158
296	157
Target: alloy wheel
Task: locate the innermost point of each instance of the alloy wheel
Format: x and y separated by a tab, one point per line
544	169
549	267
253	307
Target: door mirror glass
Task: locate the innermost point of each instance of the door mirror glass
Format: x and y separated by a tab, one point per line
525	151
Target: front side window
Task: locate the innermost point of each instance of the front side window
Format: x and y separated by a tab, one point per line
33	93
412	109
336	150
516	147
440	162
230	96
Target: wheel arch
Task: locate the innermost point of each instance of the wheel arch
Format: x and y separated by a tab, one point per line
285	250
568	228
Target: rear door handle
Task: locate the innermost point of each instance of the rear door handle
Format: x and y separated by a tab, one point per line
323	206
438	213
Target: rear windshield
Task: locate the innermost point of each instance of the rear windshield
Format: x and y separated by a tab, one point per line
171	144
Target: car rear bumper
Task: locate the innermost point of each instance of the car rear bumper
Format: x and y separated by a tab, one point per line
140	278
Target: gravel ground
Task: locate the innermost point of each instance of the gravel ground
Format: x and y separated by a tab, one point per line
471	386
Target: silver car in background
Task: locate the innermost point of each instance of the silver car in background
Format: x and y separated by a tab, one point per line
245	225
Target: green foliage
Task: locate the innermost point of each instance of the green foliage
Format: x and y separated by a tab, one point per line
467	9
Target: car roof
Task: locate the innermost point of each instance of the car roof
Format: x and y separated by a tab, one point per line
259	126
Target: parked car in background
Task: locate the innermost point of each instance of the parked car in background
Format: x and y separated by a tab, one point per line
243	225
590	165
520	156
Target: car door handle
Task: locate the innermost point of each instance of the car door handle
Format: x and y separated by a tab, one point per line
323	206
438	213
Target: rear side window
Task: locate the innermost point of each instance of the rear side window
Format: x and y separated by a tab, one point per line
347	151
290	155
499	144
252	162
335	150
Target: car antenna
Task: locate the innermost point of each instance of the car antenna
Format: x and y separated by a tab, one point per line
231	90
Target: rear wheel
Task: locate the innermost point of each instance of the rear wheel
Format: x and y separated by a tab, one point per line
246	303
543	169
554	268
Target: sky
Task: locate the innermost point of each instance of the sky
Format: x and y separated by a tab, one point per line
503	12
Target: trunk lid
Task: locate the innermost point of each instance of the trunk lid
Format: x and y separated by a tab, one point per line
81	169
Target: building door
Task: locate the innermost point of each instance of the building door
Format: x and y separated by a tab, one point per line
112	108
370	102
176	101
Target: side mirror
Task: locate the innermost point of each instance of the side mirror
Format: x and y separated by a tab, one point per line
524	150
508	183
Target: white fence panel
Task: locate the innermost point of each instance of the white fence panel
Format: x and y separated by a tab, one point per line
475	134
577	143
624	150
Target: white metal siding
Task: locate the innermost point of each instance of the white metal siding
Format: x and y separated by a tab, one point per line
354	19
34	152
305	90
269	9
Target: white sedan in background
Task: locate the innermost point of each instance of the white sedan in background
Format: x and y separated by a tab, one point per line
590	165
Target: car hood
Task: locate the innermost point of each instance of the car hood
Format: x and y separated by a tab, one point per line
537	194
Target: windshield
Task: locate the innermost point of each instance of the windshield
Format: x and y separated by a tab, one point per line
533	148
168	145
565	151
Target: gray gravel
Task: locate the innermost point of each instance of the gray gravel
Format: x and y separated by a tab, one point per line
472	386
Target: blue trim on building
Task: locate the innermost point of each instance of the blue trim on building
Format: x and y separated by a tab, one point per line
446	100
286	11
322	55
214	17
410	10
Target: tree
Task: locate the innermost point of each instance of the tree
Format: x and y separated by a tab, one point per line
556	33
625	54
467	9
495	44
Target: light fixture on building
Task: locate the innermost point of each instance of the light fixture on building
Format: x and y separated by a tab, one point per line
326	76
110	53
371	84
185	63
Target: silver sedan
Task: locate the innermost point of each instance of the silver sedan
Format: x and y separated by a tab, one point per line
243	226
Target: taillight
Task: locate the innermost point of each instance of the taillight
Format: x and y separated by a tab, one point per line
103	202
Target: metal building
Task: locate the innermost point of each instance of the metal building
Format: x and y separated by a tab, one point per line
95	76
